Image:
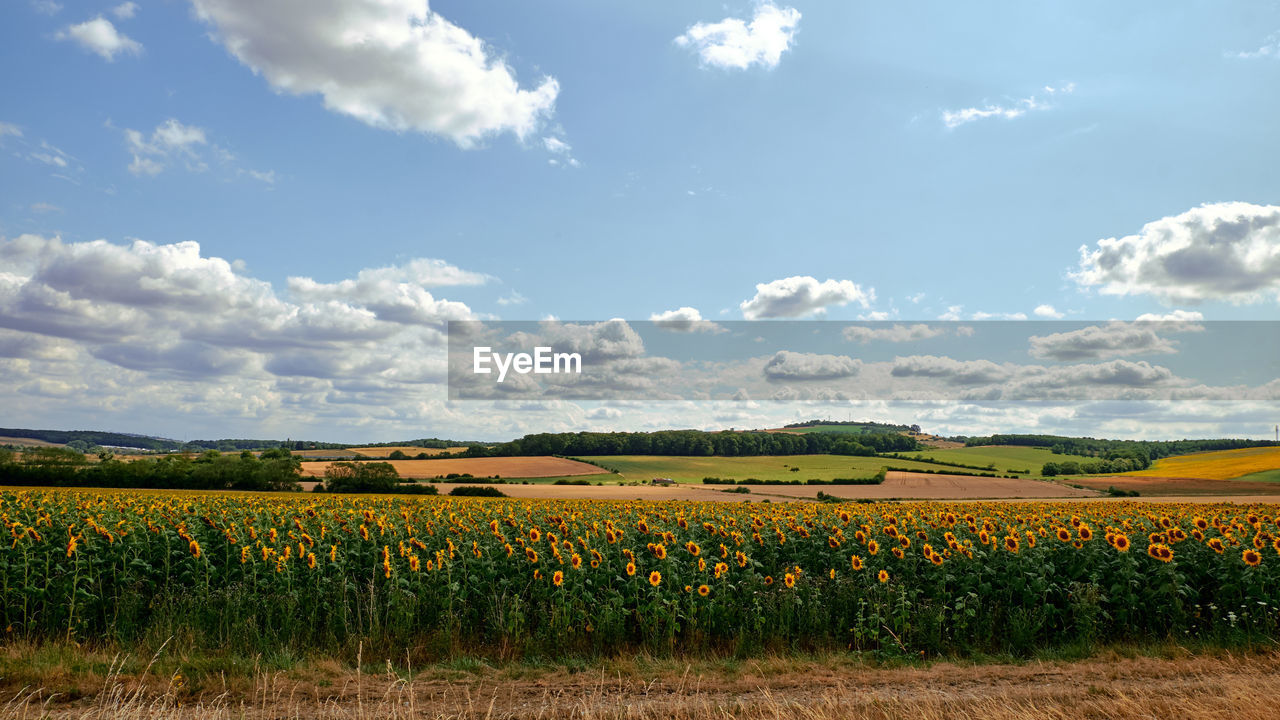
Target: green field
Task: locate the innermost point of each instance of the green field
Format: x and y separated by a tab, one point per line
1006	458
643	468
1264	476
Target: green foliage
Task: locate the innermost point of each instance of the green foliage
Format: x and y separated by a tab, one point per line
361	477
472	491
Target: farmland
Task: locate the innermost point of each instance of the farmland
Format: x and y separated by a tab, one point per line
506	578
1219	465
1005	458
506	467
761	467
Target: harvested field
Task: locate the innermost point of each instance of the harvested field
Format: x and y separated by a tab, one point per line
1109	686
326	454
410	450
28	442
506	467
1164	486
906	486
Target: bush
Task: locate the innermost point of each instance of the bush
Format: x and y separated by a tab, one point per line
571	481
472	491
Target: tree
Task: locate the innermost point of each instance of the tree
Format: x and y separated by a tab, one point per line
360	477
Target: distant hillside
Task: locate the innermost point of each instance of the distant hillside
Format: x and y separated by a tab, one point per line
83	439
851	427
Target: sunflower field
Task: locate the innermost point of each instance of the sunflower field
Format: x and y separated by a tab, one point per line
432	577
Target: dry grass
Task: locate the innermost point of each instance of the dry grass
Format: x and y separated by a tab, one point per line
410	450
1241	687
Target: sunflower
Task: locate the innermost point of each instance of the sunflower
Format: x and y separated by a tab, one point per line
194	547
1064	534
534	535
873	547
1086	534
531	554
660	551
897	552
631	568
1011	543
655	578
1121	543
1215	544
1160	552
789	580
703	590
557	578
768	580
855	562
692	548
883	576
1251	558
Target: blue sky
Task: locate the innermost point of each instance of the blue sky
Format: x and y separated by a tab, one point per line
587	160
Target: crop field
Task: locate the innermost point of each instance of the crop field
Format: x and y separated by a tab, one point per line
1218	465
1006	458
506	467
428	578
410	450
643	468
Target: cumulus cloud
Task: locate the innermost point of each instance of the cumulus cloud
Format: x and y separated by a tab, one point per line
1223	251
1101	342
170	309
803	295
393	64
1016	109
896	334
125	10
795	366
736	44
100	36
998	316
684	319
1047	311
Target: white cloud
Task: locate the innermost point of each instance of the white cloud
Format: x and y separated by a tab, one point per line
1224	251
998	316
170	140
1047	311
1100	342
1177	316
515	298
795	366
168	311
684	319
46	7
43	207
736	44
10	129
1016	109
100	36
952	314
556	146
392	64
897	333
125	10
802	295
1270	49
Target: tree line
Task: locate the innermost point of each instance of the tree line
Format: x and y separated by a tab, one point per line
1109	449
275	469
696	443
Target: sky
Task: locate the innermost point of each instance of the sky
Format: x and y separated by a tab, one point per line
256	217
